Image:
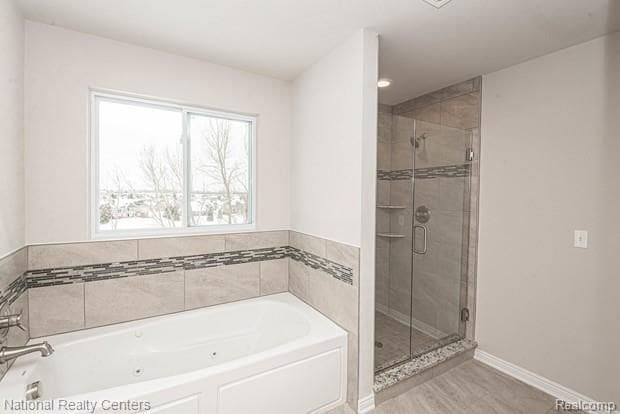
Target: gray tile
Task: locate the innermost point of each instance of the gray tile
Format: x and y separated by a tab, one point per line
451	193
395	339
56	309
384	155
336	300
401	155
402	129
257	240
401	193
13	266
130	298
345	255
405	106
17	337
383	220
384	108
46	256
352	368
461	112
211	286
457	89
273	276
401	223
427	194
383	192
308	243
428	99
299	280
430	113
180	246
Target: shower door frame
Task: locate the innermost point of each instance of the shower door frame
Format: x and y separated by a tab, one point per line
465	240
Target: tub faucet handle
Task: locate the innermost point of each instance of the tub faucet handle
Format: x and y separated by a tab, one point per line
12	320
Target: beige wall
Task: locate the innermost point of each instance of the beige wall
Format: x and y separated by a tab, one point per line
550	165
61	65
11	128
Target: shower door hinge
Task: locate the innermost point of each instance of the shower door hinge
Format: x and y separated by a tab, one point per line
464	314
469	154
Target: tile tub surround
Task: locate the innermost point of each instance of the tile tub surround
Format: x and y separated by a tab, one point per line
115	270
12	282
13	294
333	296
219	269
93	288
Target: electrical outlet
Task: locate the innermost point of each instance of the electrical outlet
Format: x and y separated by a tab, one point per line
581	239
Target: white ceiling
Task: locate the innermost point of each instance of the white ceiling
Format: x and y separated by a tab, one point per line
422	48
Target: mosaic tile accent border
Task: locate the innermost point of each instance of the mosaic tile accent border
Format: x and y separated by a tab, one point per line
90	273
421	363
395	175
14	290
459	170
338	271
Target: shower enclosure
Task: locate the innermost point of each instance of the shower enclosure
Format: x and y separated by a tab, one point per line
425	206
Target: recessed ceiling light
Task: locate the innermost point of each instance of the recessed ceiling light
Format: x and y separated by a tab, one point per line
384	82
437	3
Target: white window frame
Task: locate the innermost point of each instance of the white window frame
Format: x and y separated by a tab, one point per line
185	110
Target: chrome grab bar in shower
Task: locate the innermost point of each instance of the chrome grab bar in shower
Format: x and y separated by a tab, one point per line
425	233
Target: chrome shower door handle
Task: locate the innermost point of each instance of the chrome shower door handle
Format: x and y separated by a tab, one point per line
425	234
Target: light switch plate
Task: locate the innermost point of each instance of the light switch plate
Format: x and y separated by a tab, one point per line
581	239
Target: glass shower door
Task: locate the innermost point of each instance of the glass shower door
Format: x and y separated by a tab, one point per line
440	233
394	243
422	239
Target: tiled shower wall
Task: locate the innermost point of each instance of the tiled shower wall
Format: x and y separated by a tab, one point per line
451	119
67	287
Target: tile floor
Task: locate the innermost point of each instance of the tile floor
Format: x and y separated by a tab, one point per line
394	336
470	388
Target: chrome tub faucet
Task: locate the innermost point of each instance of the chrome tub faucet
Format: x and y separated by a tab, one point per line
9	353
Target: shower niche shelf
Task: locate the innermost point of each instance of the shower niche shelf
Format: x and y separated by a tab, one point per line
391	235
392	207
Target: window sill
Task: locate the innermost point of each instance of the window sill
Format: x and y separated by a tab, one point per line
180	232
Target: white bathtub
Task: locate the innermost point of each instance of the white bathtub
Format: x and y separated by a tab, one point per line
273	354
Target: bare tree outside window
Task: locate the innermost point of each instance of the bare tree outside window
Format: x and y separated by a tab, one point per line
141	167
220	175
163	173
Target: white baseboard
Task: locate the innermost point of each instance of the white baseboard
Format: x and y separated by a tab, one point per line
550	387
415	323
366	404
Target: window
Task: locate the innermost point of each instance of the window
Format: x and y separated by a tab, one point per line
165	168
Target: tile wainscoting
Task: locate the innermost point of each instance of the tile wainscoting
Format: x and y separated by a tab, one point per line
13	294
333	296
67	287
